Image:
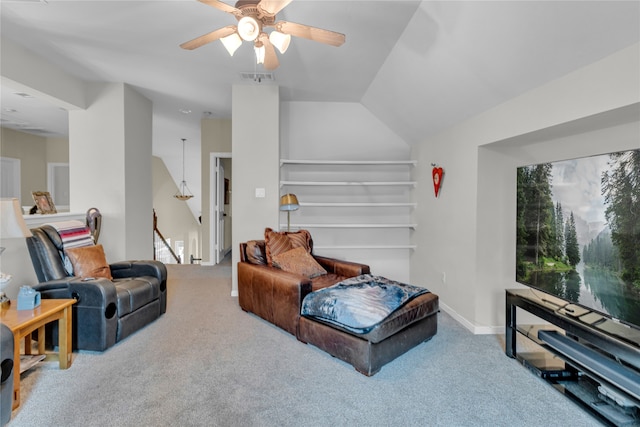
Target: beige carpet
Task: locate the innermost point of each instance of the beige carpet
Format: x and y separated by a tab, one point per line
208	363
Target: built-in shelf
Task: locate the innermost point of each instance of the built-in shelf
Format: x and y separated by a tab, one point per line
348	162
300	226
357	205
365	247
382	186
346	183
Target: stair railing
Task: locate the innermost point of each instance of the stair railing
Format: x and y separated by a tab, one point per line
161	248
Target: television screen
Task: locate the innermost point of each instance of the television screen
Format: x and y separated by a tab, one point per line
578	232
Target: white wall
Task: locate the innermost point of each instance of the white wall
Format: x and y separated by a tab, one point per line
469	231
255	147
21	69
347	131
110	168
138	143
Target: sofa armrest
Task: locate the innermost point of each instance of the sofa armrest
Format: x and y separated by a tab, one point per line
342	268
273	294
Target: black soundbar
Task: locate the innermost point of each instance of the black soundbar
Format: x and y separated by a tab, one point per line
619	375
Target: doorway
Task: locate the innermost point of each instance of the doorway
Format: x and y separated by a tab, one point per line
10	178
220	206
58	184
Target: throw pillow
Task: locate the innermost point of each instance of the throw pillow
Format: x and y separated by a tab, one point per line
277	242
89	261
255	252
299	261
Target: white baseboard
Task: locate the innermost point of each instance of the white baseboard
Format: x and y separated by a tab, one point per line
476	330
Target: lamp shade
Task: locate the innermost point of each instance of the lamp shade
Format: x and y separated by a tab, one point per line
12	224
260	52
289	202
231	43
280	40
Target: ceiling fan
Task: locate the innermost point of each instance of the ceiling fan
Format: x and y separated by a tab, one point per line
253	17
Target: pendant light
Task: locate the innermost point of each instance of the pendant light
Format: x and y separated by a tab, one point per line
183	192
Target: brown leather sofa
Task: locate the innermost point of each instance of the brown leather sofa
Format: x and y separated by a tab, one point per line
277	295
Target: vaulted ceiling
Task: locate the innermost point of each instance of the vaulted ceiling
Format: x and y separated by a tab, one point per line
419	66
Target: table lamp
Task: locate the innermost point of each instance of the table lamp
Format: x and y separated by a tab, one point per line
289	202
12	226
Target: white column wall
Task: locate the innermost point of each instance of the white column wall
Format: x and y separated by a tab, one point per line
255	148
138	184
110	167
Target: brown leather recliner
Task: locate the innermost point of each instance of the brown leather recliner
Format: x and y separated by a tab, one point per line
276	295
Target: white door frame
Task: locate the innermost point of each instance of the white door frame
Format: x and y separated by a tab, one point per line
213	189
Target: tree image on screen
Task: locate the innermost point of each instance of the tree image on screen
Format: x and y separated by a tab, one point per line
621	190
545	238
578	231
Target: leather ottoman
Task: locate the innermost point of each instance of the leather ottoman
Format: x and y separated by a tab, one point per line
399	332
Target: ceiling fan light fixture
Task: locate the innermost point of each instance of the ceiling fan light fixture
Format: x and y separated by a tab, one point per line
280	40
260	53
231	43
249	28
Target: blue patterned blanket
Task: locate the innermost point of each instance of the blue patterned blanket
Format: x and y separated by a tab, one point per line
360	303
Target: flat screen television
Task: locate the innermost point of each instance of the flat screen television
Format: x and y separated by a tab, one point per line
578	232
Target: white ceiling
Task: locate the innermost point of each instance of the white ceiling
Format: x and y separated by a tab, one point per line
418	66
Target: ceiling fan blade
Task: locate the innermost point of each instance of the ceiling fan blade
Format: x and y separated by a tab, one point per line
312	33
270	58
222	6
271	7
209	37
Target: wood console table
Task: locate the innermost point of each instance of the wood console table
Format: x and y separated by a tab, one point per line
23	322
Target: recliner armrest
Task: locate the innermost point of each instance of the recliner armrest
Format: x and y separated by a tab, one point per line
99	292
95	312
123	269
95	292
53	285
342	268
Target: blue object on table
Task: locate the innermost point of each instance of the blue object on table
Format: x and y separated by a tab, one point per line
28	298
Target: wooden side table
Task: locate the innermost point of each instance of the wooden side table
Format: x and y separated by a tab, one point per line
23	322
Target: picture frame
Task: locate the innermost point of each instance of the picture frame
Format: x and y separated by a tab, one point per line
44	202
